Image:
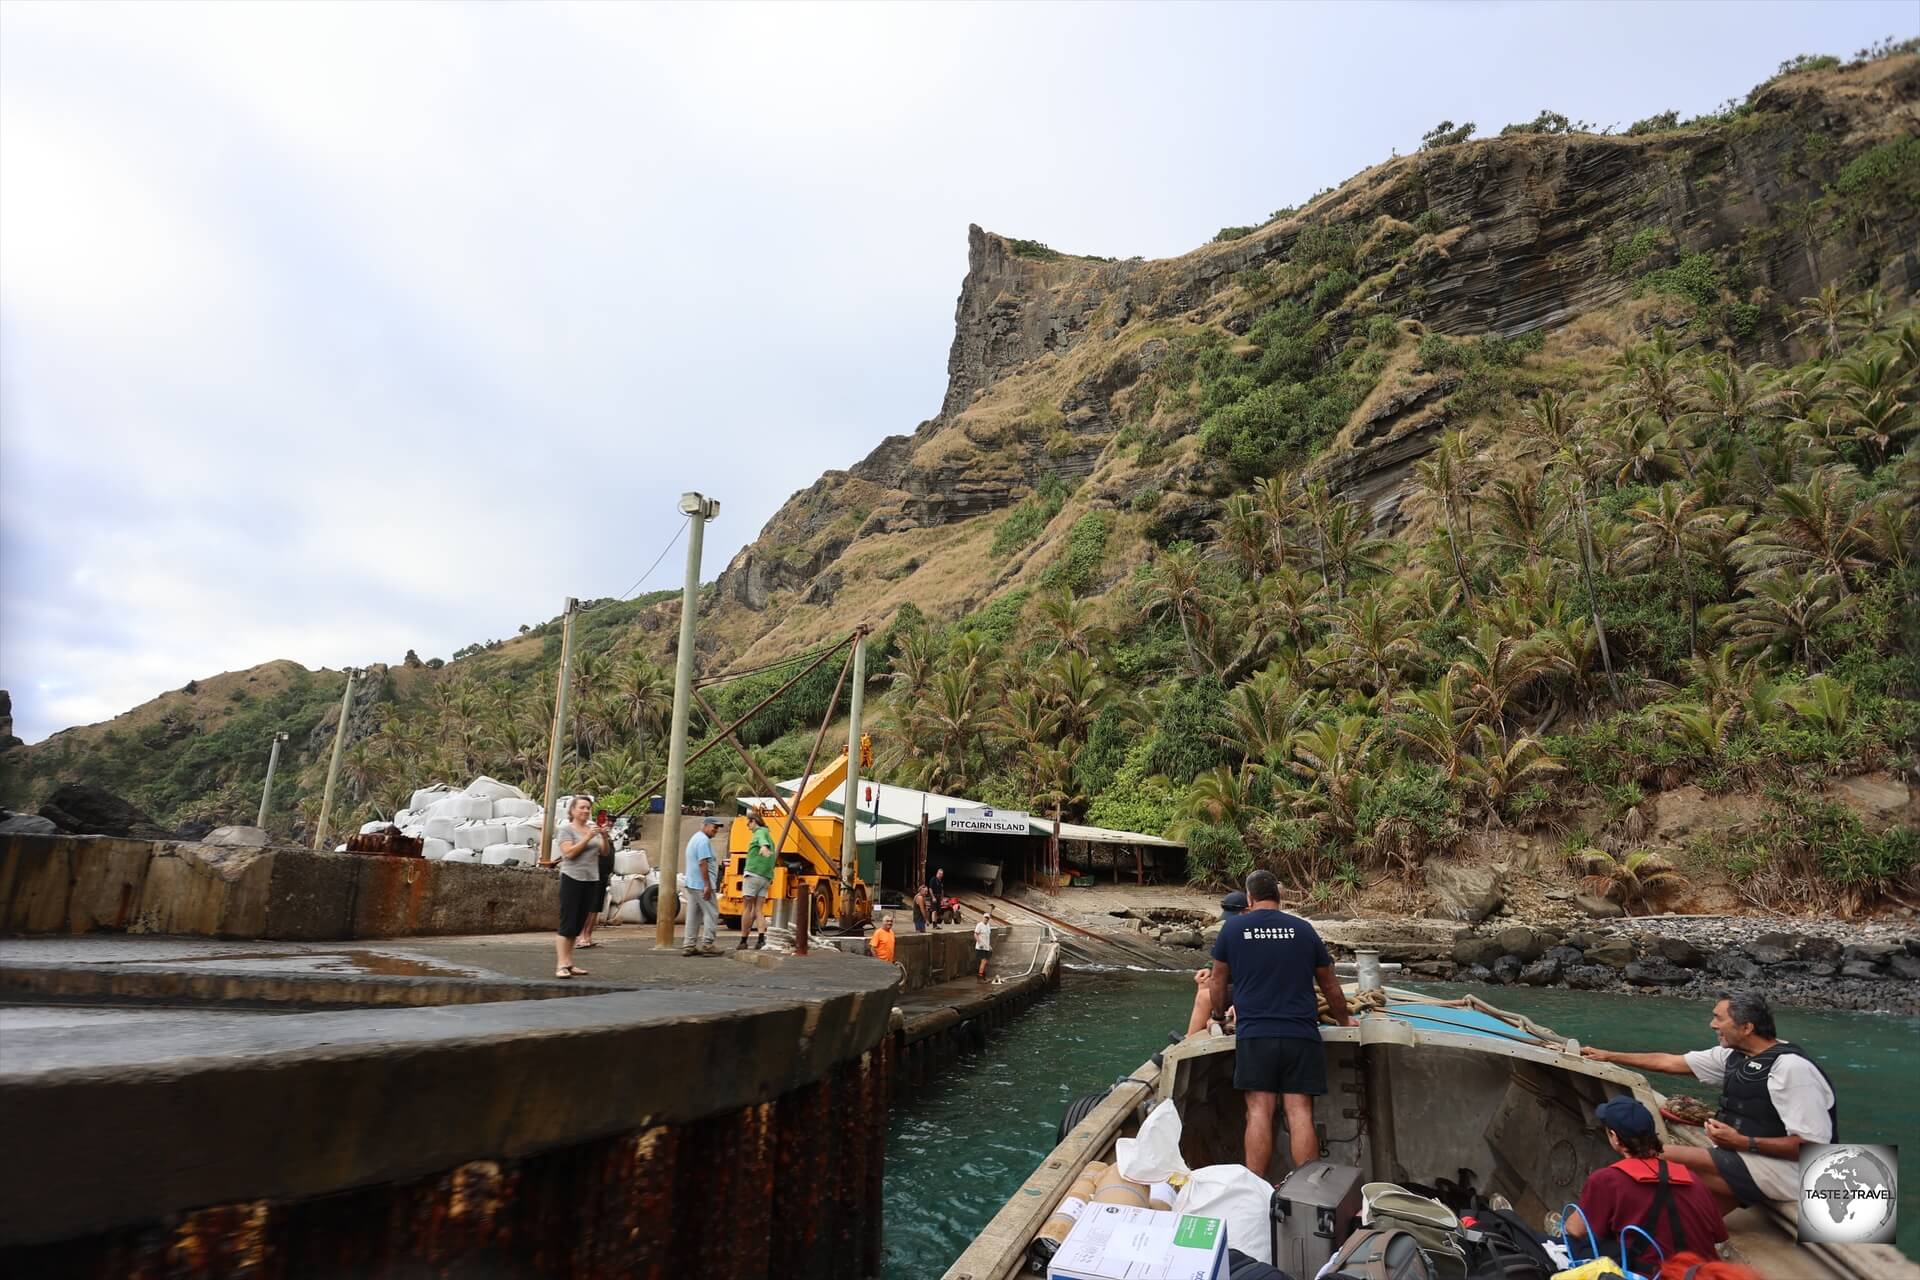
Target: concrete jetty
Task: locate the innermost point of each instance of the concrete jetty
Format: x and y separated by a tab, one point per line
282	1103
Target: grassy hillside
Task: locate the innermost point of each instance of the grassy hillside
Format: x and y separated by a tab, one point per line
1504	488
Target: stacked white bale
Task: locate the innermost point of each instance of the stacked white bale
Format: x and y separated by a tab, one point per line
461	855
378	824
631	862
433	850
629	912
426	797
628	888
462	808
491	789
479	835
509	807
522	830
498	855
441	829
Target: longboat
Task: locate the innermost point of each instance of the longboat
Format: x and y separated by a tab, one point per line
1423	1091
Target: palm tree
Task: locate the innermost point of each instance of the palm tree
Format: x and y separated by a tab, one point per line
1373	641
1329	760
1435	723
1823	321
1066	620
1279	501
1821	527
1495	669
1076	692
1347	545
1265	713
1826	702
1446	473
1723	678
1702	731
1669	526
1177	585
1499	771
1577	460
1786	610
1642	878
1241	531
1728	400
1524	515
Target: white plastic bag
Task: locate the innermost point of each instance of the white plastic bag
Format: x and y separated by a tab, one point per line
426	797
630	912
522	831
1154	1155
508	807
628	888
461	808
496	855
461	855
490	789
478	835
433	850
1240	1198
632	862
440	828
368	828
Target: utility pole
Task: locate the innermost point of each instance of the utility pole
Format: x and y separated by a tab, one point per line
558	737
333	765
266	792
850	798
698	511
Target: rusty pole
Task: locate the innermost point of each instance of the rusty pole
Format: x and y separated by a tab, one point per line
556	748
850	798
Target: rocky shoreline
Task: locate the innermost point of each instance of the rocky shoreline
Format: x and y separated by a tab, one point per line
1821	964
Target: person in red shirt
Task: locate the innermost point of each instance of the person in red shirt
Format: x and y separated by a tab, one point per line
1641	1190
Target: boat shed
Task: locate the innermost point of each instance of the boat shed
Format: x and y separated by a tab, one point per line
914	833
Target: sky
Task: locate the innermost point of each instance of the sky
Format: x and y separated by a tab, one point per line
329	331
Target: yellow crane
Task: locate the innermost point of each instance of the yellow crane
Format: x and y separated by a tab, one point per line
807	852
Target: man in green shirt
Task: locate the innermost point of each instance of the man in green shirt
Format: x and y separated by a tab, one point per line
758	874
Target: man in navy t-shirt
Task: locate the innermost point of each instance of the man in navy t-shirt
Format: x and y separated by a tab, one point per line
1273	961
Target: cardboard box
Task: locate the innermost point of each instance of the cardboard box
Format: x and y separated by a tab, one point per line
1120	1242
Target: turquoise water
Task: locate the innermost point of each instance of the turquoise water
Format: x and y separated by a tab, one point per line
957	1148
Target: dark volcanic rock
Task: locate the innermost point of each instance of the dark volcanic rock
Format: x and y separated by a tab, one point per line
1615	953
1521	942
1769	953
1476	952
1598	907
1733	965
1507	969
1590	977
1655	972
1542	972
82	809
1682	952
1477	973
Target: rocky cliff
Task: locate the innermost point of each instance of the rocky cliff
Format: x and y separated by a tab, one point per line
1720	228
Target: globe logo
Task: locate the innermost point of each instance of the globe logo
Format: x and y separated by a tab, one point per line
1848	1194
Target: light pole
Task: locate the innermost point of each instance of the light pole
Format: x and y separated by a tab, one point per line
698	510
266	792
333	765
554	750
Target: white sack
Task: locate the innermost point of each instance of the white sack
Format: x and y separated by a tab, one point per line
1154	1155
515	807
404	819
433	850
414	831
479	835
628	889
461	855
427	797
440	828
368	828
520	831
1240	1198
630	912
462	809
631	862
496	855
491	789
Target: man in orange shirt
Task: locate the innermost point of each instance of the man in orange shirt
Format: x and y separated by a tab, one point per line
881	943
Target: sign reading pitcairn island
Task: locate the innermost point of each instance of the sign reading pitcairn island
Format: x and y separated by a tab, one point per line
987	822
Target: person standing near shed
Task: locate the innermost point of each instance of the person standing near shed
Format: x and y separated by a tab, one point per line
1271	962
983	942
579	882
703	914
755	877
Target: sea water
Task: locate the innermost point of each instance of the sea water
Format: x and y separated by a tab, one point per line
960	1145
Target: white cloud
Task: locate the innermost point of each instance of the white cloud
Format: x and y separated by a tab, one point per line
314	318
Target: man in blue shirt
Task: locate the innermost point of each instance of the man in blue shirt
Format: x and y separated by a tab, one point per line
1272	962
703	913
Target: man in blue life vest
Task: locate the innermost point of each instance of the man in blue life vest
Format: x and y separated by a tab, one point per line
1643	1190
1773	1098
1272	961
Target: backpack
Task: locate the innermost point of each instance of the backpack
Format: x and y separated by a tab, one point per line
1374	1253
1500	1246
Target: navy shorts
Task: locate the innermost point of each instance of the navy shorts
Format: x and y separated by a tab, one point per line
1276	1064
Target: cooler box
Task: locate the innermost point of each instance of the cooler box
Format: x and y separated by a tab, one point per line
1314	1211
1120	1242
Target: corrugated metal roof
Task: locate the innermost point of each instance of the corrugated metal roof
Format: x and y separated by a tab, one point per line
903	806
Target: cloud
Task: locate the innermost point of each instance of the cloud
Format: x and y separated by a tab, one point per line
332	331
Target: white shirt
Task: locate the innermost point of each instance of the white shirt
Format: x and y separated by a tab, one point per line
983	936
1794	1086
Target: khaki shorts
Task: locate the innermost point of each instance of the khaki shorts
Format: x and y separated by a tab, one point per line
753	886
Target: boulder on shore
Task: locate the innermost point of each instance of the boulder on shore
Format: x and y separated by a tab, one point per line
236	837
25	824
1681	952
1656	972
1522	942
1470	952
1466	894
1615	953
82	809
1599	908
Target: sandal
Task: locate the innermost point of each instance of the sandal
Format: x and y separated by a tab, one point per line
585	946
564	971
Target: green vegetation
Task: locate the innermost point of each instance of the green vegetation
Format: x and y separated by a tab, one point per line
1233	233
1628	254
1029	516
1445	134
1885	176
1693	571
1034	249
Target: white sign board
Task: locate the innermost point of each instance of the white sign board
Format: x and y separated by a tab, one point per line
987	822
1120	1242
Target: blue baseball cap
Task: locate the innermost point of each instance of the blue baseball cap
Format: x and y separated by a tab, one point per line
1624	1115
1233	903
